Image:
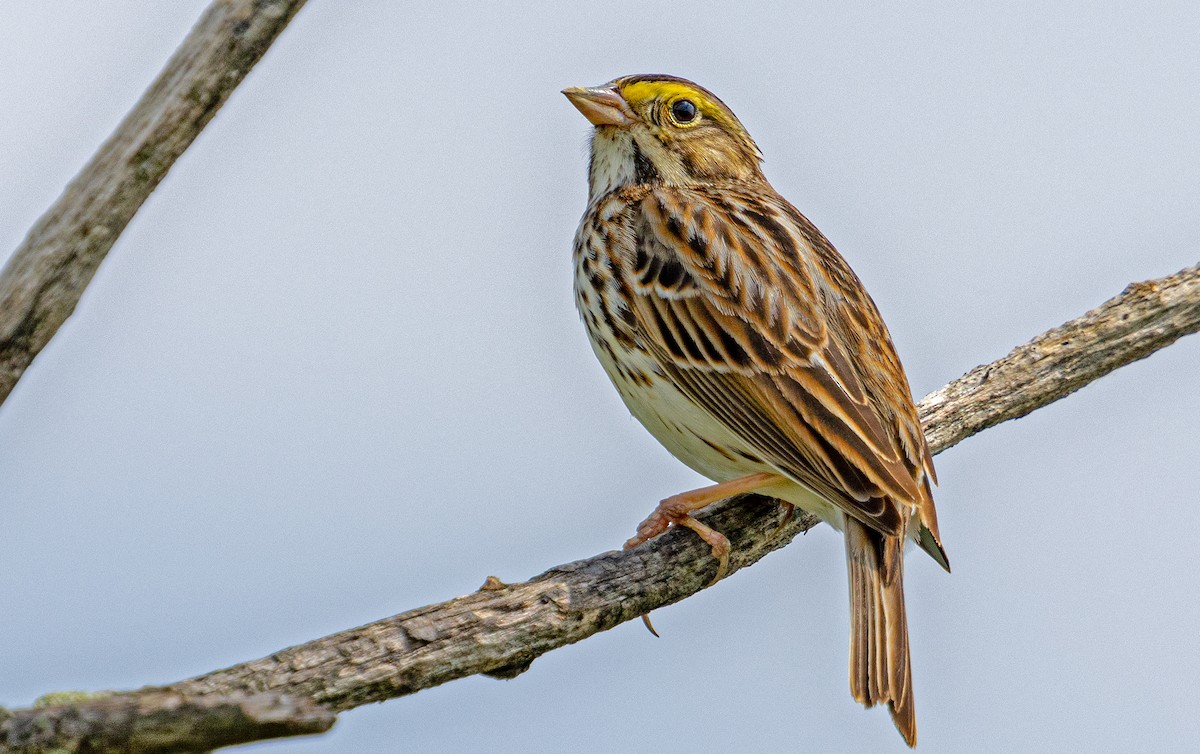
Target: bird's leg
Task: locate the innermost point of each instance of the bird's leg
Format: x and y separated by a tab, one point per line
677	510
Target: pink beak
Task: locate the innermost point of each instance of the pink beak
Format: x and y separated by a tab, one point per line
601	105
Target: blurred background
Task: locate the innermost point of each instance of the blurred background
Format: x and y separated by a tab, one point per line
332	371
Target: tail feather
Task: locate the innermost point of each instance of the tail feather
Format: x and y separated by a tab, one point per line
879	662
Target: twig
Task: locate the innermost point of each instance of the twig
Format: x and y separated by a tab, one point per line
43	280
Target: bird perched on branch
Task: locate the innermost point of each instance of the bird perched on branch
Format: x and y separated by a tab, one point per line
744	343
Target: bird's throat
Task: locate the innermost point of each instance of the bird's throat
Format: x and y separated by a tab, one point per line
614	161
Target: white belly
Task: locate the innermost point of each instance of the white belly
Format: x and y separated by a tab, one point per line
677	423
683	429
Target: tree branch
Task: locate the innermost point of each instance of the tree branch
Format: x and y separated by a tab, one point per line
158	722
43	280
1146	316
502	628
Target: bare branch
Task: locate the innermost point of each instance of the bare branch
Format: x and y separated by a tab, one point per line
502	628
42	282
154	721
1144	318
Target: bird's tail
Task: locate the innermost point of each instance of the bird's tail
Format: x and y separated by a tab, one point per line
879	665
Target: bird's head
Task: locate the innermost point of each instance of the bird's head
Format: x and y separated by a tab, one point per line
663	129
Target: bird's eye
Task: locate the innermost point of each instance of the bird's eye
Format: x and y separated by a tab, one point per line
683	111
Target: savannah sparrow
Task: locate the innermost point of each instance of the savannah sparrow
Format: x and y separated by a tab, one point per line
745	344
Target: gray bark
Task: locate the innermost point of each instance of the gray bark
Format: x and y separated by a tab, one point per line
157	722
1147	316
42	282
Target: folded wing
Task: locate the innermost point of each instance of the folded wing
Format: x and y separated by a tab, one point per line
784	348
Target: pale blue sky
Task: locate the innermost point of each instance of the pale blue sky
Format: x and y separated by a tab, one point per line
332	370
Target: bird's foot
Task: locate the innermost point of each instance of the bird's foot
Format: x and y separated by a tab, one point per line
677	511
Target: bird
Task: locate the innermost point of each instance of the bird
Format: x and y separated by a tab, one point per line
744	343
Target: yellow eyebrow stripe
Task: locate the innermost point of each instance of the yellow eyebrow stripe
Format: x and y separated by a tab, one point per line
638	92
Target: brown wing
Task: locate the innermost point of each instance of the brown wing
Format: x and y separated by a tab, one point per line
757	318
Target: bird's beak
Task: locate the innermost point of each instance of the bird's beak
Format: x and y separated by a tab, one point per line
601	105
